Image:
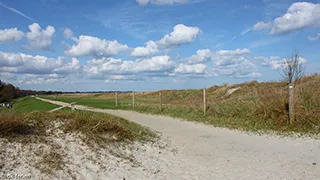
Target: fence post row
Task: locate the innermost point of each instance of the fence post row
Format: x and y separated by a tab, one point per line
291	103
116	99
160	96
204	102
133	99
72	106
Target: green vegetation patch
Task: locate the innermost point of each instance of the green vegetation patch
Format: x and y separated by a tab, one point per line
28	104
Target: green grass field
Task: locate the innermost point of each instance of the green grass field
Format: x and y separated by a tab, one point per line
253	107
28	104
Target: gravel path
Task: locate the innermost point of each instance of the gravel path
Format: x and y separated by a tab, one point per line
205	152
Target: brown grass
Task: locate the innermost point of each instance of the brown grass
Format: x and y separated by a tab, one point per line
96	127
13	125
255	106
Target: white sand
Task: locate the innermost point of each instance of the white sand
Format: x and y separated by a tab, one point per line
198	151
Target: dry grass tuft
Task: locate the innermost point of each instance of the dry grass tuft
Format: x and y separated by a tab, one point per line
96	127
13	125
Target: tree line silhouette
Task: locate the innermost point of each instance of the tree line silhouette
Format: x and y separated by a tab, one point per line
8	92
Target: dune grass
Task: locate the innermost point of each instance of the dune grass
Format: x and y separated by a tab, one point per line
252	107
95	127
31	117
35	130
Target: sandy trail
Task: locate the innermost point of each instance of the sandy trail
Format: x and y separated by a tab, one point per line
205	152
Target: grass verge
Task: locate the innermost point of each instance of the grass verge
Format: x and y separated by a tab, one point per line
250	106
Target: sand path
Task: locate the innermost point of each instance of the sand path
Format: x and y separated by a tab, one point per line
205	152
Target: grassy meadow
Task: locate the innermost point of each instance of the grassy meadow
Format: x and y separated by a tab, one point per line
252	106
28	104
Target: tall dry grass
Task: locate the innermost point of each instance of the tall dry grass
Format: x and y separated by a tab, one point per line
254	106
95	127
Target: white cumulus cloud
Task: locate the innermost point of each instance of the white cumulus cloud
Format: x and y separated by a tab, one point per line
300	15
68	34
161	2
191	69
109	66
93	46
151	48
275	62
181	34
10	35
202	55
233	63
38	38
27	64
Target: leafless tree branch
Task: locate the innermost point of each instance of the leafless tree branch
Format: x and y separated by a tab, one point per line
292	68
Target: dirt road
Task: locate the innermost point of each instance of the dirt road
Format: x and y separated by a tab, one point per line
205	152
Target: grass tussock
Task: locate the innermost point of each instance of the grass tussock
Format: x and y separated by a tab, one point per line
95	127
252	106
11	124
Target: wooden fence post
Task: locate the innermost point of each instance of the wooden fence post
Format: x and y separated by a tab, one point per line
204	102
133	99
291	103
72	106
160	96
116	99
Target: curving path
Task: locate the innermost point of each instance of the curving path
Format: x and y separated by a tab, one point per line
205	152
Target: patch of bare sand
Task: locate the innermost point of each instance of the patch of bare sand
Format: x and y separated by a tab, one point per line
67	156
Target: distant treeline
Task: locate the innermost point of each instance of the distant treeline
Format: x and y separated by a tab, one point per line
9	92
96	92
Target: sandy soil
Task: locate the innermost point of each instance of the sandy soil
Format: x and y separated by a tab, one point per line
39	160
198	151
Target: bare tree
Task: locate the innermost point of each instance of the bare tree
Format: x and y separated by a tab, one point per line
293	68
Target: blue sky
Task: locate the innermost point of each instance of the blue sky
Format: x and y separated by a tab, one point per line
153	44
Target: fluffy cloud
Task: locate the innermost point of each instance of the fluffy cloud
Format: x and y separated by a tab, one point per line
68	34
276	62
241	67
235	52
230	57
202	55
103	67
10	35
92	46
273	62
41	79
181	34
69	67
220	58
26	64
299	15
191	69
314	38
234	63
151	48
161	2
39	39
